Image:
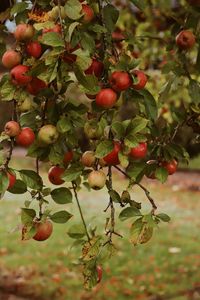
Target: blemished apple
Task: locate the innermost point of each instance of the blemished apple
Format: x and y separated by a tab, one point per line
26	137
106	98
43	230
88	159
55	174
12	128
47	135
19	76
97	179
11	58
120	81
185	39
24	32
139	151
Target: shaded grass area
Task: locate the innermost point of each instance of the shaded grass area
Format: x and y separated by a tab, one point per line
169	263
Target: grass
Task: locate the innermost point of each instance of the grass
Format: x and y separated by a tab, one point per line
169	263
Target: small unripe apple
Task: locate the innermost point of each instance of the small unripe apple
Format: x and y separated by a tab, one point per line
26	105
120	81
92	131
34	49
88	13
68	157
43	230
96	68
106	98
99	273
170	166
185	39
97	180
11	58
139	151
12	180
18	75
88	158
12	128
26	137
48	134
55	174
141	78
112	158
24	32
35	86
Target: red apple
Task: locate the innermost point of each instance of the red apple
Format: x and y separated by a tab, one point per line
112	158
139	151
68	157
96	68
120	81
12	128
35	86
97	179
88	13
34	49
26	137
43	230
170	166
141	78
55	174
185	39
24	32
106	98
12	180
99	273
18	75
11	58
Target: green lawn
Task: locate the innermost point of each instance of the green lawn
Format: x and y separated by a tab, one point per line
169	263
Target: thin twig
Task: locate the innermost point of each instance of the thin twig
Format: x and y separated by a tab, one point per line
60	18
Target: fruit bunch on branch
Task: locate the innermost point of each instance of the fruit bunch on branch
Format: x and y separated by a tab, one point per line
71	74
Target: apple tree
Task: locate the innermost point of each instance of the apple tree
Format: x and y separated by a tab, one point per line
88	82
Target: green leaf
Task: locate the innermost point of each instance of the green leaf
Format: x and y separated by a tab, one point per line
194	91
4	182
110	17
115	196
73	9
129	212
52	39
104	148
31	179
163	217
136	170
61	217
161	174
118	130
18	188
91	250
150	104
62	195
135	231
124	159
138	124
141	4
7	91
72	173
27	216
131	141
76	231
18	8
71	29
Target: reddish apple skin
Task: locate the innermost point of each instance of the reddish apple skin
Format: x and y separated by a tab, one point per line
112	158
170	166
120	81
139	152
96	68
12	128
43	230
24	32
26	137
35	86
55	174
142	80
106	98
88	13
185	39
68	157
99	273
12	180
11	58
18	75
56	29
34	49
194	2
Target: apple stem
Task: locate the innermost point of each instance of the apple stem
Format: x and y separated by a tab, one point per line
147	193
74	186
